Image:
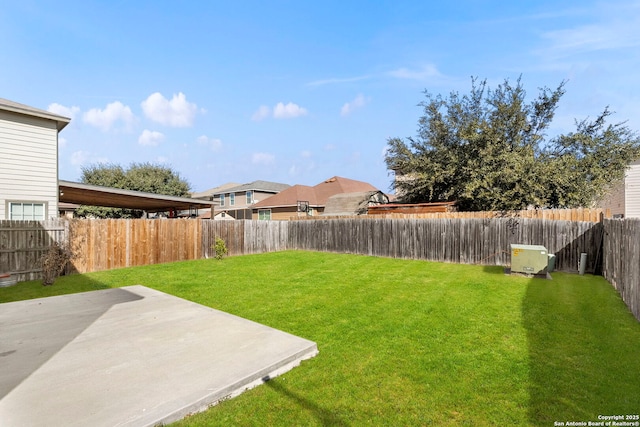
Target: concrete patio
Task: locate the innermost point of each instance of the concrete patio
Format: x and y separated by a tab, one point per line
130	356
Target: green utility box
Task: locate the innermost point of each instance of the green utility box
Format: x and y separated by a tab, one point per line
529	259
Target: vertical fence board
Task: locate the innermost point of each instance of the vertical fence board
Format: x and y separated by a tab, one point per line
23	243
621	260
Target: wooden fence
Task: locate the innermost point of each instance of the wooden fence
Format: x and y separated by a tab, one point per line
467	241
621	263
612	246
244	237
114	243
22	244
590	215
103	244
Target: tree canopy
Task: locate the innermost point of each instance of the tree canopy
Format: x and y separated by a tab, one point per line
147	177
488	150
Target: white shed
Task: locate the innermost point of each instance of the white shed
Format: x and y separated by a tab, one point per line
28	162
624	198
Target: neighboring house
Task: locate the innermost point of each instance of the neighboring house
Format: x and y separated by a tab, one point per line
209	195
348	204
624	198
236	201
67	210
28	161
302	200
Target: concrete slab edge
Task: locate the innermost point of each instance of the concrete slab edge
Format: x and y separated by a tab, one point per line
239	387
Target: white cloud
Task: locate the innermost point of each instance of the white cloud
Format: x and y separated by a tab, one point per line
262	158
262	113
177	112
291	110
279	111
588	38
62	142
113	112
161	159
79	158
149	137
213	143
427	72
358	102
305	154
63	111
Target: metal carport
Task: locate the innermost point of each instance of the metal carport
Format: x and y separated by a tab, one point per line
94	195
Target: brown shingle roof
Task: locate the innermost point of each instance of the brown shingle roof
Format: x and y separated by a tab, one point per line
290	197
316	195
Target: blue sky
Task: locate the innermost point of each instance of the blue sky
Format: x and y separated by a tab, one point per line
296	91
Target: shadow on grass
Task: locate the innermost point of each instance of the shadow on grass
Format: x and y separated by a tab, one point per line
494	269
34	330
324	416
562	338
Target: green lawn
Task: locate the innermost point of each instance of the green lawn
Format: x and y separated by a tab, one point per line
410	342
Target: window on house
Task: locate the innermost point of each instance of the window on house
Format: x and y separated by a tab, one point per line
264	214
27	211
249	197
232	199
222	200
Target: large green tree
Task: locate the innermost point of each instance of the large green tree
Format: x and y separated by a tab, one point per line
488	150
147	177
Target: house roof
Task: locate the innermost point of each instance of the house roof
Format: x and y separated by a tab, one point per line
290	197
210	192
234	187
352	203
264	186
94	195
316	195
16	107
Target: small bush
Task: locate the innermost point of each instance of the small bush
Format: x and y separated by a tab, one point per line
53	263
220	248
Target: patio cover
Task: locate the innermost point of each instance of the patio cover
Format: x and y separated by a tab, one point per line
94	195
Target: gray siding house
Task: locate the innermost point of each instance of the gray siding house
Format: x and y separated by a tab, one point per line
28	162
235	201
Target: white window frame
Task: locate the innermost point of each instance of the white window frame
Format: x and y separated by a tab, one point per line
232	199
222	200
30	204
264	214
249	196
